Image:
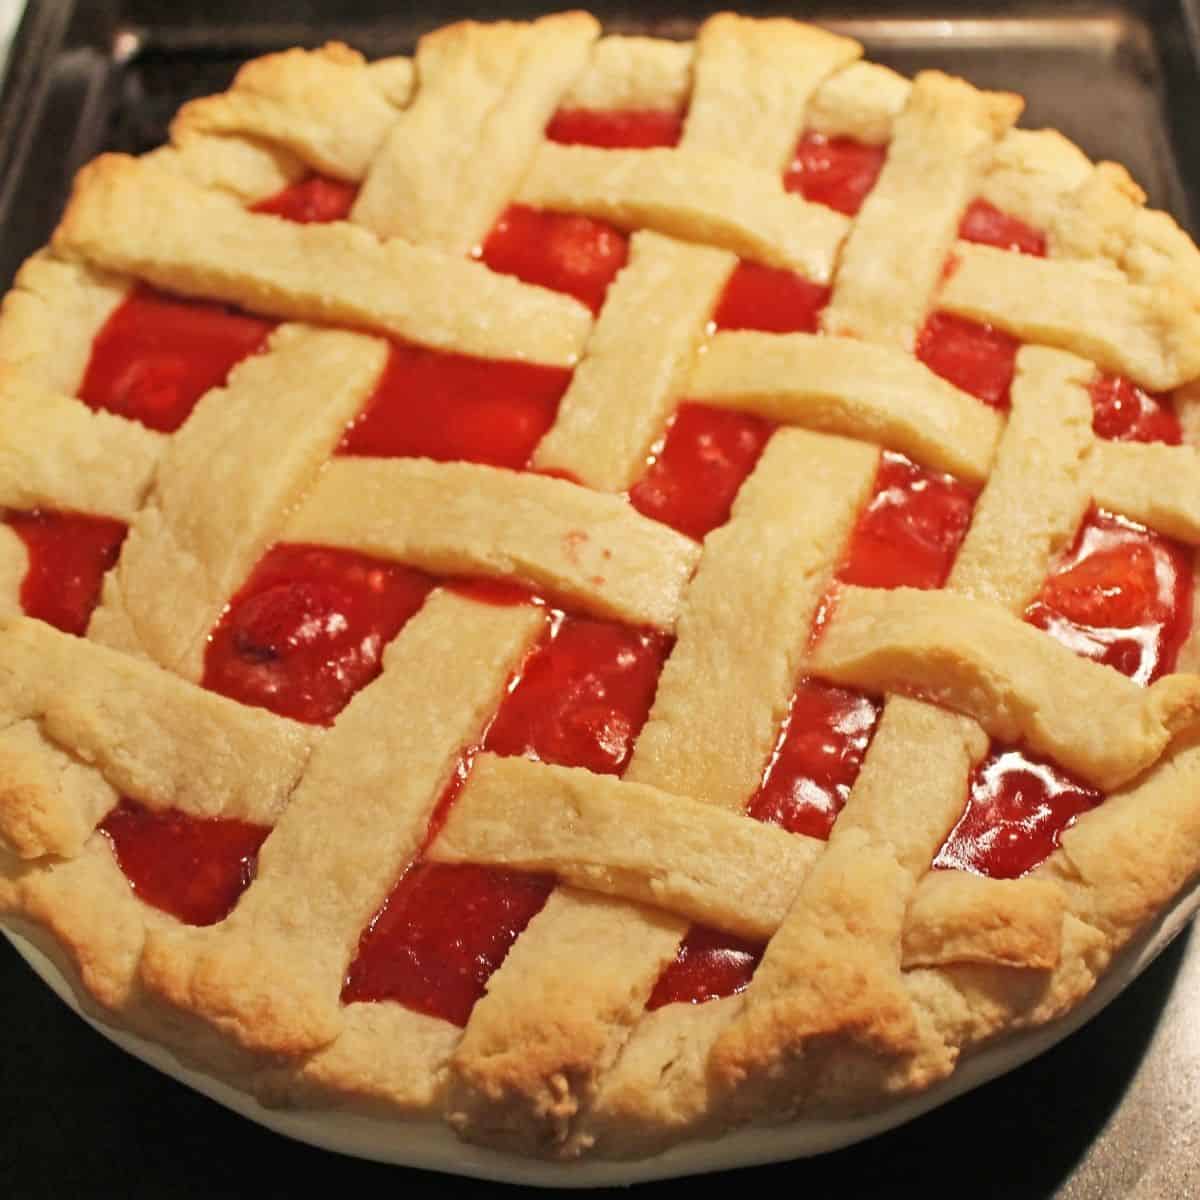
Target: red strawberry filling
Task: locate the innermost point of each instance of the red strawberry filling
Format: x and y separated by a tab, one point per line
307	629
580	699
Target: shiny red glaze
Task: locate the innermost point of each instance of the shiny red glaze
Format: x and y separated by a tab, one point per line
1124	412
976	358
192	868
449	407
157	355
568	253
770	300
615	129
581	699
985	223
907	536
837	172
816	759
709	964
68	556
1016	811
308	629
911	529
440	934
1121	595
314	200
708	452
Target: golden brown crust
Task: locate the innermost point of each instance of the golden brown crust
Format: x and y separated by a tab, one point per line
460	519
1022	687
692	195
880	973
455	155
626	388
223	487
154	224
842	385
72	708
940	145
326	106
1146	333
56	454
271	974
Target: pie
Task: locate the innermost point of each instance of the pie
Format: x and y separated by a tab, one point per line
597	588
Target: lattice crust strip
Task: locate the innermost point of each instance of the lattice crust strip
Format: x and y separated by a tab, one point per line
655	848
878	973
197	242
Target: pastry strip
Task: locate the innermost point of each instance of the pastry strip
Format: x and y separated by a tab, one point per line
456	154
325	106
638	73
1028	514
745	67
271	973
57	454
893	257
832	974
862	101
842	385
14	566
1152	335
144	220
600	834
1022	686
627	386
627	839
248	170
720	701
226	481
1150	482
92	723
586	548
692	195
51	318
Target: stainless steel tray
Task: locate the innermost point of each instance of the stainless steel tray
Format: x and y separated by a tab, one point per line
1112	1112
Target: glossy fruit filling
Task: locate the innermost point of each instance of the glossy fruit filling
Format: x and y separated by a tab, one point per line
911	528
1124	412
449	407
567	253
1017	809
837	172
68	556
691	481
308	629
580	699
708	965
976	358
985	223
907	535
1121	595
816	760
314	200
194	869
156	355
616	129
770	300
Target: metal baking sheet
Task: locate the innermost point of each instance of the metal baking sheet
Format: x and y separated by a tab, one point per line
1114	1111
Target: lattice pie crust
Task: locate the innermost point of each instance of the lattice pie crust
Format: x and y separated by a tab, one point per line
879	973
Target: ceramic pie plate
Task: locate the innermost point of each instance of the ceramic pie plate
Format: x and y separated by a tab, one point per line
432	1146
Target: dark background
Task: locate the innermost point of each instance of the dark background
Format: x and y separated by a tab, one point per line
1114	1111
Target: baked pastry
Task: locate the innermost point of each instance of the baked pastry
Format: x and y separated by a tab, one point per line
600	588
